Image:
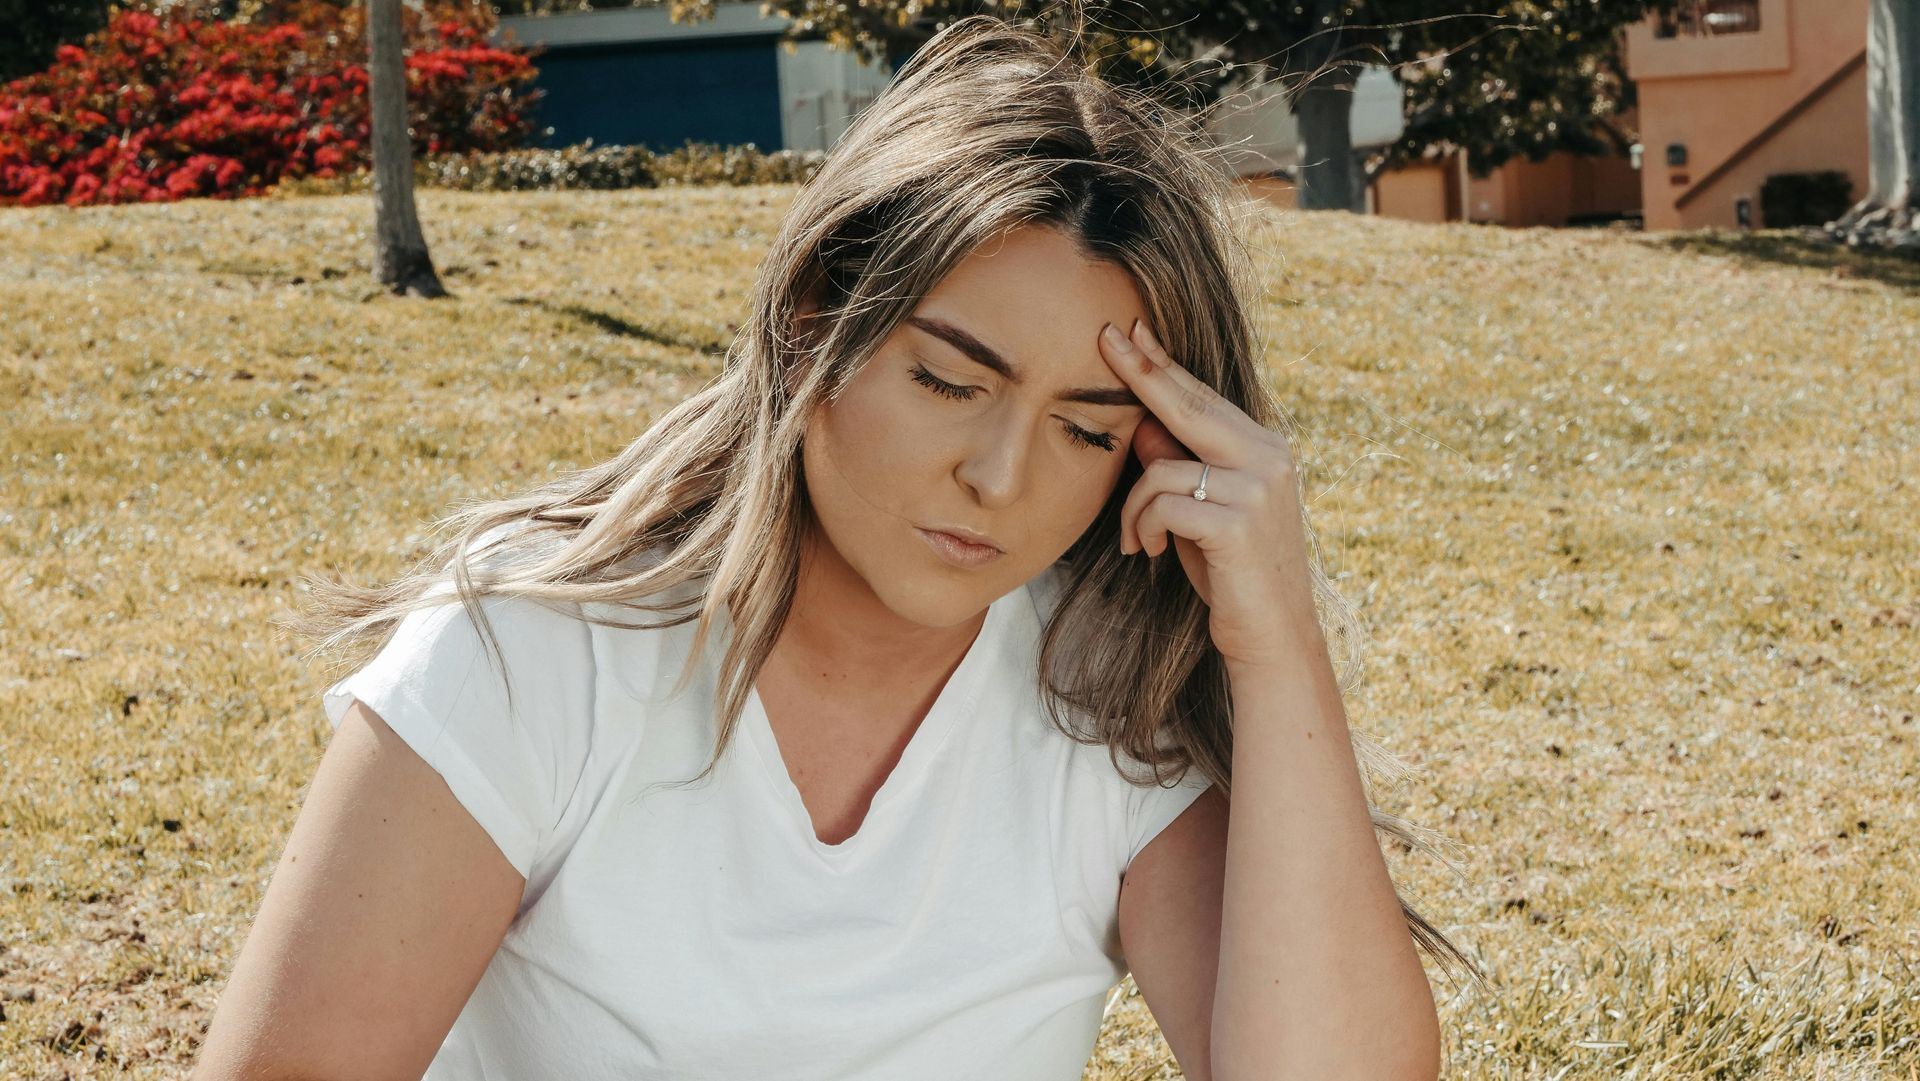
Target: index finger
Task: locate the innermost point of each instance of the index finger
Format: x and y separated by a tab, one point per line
1198	415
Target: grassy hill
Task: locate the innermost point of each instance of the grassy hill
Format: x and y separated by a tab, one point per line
1632	521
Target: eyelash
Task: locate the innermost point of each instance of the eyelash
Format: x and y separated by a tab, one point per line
1098	440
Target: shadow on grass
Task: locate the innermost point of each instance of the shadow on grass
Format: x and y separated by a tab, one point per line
608	323
1792	248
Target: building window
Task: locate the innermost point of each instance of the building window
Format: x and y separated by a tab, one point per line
1709	18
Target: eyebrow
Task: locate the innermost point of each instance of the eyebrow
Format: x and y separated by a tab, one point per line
981	353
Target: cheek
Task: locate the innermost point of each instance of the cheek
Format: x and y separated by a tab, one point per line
860	422
863	452
1070	496
895	428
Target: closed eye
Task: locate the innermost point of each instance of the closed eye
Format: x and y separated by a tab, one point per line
940	386
1097	440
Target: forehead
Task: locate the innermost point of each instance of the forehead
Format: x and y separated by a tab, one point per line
1035	298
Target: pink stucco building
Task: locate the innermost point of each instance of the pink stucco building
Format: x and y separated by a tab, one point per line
1734	91
1730	93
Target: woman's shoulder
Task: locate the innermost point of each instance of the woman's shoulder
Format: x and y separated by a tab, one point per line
557	648
527	622
515	544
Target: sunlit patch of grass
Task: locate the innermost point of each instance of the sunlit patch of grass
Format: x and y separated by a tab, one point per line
1630	519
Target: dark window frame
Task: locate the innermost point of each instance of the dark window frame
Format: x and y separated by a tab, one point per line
1708	19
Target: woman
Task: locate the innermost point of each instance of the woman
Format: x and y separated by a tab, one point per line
856	806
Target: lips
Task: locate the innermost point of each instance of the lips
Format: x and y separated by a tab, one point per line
971	536
958	550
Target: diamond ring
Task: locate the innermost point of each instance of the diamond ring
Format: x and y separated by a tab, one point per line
1200	493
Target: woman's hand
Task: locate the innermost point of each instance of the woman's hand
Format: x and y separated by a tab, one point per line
1244	547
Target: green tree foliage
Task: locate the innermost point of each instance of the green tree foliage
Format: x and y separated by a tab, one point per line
1498	77
1552	78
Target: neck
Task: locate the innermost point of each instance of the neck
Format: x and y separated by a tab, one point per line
839	632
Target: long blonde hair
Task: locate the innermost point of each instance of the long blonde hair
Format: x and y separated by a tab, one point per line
988	126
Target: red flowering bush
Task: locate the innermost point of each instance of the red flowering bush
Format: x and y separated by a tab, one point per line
154	109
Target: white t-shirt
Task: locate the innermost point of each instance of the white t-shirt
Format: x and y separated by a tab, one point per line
967	930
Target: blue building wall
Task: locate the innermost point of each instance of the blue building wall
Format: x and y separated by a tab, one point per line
661	95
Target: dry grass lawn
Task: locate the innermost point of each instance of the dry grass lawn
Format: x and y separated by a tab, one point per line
1632	521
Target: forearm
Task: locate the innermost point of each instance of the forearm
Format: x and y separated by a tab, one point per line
1319	977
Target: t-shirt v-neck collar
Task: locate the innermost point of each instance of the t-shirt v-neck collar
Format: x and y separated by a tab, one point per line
955	700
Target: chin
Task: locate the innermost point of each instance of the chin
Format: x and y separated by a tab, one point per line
932	602
934	595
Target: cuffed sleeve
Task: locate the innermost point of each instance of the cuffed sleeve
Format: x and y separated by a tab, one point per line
441	689
1151	808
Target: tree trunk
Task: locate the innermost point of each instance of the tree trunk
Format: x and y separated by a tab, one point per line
1322	102
400	259
1326	173
1890	214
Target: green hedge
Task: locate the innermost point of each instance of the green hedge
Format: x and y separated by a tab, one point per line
1790	199
584	166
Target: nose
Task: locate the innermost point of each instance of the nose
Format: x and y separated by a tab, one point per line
993	465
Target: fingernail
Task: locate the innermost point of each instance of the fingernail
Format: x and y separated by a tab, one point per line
1115	338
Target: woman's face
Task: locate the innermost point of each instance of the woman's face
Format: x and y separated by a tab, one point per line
929	435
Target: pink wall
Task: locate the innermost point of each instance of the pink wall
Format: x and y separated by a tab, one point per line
1563	186
1524	193
1519	193
1715	94
1417	192
1273	189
